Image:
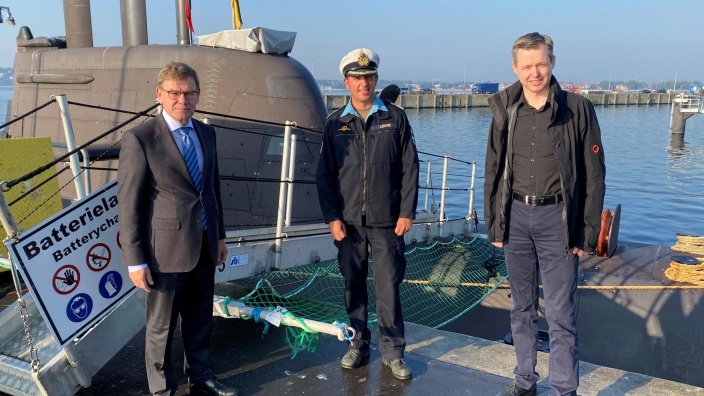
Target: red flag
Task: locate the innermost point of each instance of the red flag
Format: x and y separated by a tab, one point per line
189	22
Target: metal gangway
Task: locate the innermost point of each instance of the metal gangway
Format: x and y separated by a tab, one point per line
684	106
41	355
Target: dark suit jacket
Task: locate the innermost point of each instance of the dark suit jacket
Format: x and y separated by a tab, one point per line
160	209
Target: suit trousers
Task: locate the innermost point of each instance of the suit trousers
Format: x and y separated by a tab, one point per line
188	295
388	269
535	243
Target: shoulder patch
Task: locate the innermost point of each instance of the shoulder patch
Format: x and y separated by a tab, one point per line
595	149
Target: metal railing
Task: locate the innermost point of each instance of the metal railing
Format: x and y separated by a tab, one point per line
689	103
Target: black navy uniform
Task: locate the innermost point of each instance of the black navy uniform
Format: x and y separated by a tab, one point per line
368	178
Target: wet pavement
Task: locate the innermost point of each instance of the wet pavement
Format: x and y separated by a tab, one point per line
258	364
262	365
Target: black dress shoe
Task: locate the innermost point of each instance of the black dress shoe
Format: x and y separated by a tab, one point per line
212	387
515	390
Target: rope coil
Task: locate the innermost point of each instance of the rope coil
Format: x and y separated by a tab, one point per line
687	273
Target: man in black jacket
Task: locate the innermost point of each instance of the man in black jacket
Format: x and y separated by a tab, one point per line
368	190
543	195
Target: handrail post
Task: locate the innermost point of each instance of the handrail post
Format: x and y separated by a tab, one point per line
86	171
471	191
282	194
470	214
291	176
12	230
71	144
6	218
427	187
444	190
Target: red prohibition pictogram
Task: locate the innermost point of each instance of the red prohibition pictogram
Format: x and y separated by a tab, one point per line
66	279
118	240
98	257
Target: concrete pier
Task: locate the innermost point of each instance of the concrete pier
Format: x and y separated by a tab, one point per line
638	330
464	100
683	107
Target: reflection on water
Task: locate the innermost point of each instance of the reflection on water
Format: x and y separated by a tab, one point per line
676	147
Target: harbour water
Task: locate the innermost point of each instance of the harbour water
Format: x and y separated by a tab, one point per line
659	181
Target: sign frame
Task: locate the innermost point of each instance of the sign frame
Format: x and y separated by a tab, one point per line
65	333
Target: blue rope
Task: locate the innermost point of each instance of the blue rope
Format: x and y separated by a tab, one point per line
342	327
255	314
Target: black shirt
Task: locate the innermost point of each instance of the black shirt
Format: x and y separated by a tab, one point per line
534	168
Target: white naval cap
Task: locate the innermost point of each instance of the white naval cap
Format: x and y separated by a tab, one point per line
359	62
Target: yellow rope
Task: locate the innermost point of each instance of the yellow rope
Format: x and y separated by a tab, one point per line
505	285
694	274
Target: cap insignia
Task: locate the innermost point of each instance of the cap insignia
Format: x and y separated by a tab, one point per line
363	60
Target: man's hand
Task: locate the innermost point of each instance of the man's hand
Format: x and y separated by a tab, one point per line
142	279
498	244
222	252
403	225
337	229
579	252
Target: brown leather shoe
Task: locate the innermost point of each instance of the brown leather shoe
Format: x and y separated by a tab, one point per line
212	387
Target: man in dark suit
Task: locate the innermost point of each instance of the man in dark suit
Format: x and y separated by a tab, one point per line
172	231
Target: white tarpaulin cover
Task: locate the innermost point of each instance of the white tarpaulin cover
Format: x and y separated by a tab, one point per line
256	39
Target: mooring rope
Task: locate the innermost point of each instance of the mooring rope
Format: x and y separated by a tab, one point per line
694	274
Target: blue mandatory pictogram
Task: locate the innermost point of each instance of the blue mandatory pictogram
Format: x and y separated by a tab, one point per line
110	284
79	307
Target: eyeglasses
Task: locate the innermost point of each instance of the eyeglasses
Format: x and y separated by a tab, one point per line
174	95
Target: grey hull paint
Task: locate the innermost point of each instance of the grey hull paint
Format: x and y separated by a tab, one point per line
257	86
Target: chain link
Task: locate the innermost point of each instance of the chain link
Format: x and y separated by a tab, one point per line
25	315
33	352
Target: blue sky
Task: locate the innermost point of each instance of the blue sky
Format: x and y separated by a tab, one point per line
646	40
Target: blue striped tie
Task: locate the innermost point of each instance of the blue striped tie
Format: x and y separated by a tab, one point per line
191	159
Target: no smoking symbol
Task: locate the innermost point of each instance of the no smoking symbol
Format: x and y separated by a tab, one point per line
98	257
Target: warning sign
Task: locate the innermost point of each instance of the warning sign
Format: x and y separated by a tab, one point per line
66	279
79	307
110	284
71	295
98	257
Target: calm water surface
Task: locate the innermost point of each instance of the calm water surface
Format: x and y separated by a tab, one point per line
659	182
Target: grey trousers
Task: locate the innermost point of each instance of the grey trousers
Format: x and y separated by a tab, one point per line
188	295
536	242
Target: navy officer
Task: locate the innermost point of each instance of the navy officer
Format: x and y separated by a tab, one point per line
368	189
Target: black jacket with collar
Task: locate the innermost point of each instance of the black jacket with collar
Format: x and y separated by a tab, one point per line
580	160
368	168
